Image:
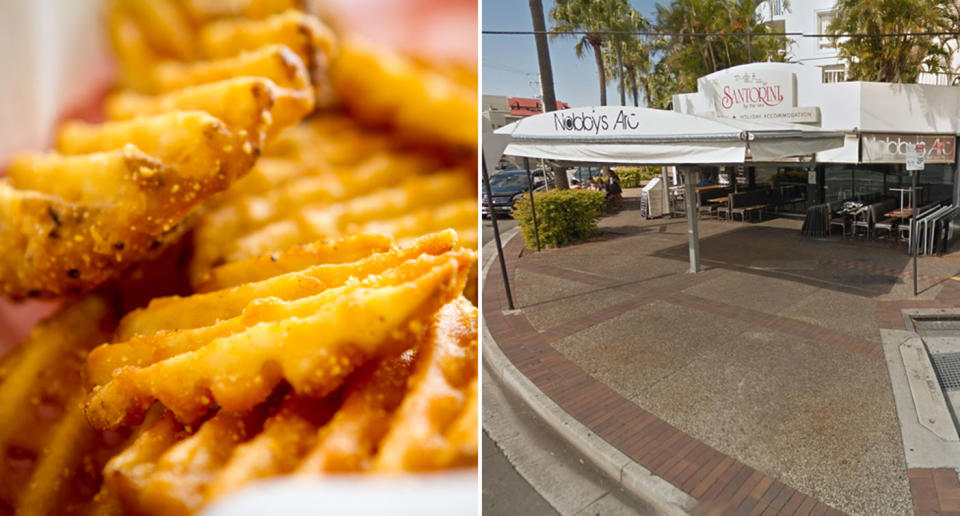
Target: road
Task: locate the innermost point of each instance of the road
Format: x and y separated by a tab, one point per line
505	223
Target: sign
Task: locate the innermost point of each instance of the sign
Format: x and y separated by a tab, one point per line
893	148
812	177
758	94
915	157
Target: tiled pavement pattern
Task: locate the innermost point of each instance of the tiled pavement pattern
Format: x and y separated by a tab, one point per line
720	483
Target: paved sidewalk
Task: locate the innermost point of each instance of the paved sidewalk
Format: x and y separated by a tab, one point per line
757	386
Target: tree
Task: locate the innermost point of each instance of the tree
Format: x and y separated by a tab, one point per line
898	58
546	73
595	18
734	36
626	52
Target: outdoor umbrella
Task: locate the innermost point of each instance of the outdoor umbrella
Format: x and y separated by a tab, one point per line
642	136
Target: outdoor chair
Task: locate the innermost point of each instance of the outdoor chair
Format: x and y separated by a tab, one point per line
841	221
887	225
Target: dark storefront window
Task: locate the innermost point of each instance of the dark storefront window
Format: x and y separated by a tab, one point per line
869	182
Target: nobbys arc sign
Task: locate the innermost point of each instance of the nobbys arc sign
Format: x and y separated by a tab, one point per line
893	148
756	95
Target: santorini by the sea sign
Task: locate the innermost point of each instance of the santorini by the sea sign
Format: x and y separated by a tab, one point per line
755	94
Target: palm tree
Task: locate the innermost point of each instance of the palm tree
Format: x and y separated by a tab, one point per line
594	18
627	55
890	59
543	56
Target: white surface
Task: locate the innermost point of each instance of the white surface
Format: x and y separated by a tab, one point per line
439	494
54	59
615	134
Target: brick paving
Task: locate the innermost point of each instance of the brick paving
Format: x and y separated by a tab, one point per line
720	483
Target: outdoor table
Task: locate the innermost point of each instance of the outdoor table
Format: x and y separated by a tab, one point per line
902	213
902	190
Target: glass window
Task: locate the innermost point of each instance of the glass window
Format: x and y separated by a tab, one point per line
838	182
834	73
823	24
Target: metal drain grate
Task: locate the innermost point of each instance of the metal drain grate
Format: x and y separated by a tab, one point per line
939	324
947	367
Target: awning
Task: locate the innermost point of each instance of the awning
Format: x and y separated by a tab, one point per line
630	135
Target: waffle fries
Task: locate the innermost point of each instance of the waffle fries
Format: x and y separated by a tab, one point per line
408	412
154	164
52	458
326	331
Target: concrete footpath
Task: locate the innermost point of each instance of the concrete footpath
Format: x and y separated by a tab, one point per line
757	387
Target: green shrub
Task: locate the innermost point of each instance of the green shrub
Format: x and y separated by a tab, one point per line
563	216
631	177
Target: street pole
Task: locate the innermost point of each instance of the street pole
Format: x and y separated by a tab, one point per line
693	234
496	231
533	209
913	227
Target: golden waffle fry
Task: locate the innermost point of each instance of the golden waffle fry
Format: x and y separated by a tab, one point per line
194	142
428	431
412	411
377	86
303	33
286	437
162	472
179	313
417	195
79	219
163	26
205	11
253	106
314	353
275	62
298	258
348	442
220	226
135	57
51	457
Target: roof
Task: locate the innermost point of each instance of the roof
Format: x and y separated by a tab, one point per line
525	106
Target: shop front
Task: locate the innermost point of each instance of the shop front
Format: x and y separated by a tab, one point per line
882	123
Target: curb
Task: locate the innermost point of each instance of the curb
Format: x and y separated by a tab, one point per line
632	477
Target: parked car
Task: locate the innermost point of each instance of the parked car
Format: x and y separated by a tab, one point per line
508	186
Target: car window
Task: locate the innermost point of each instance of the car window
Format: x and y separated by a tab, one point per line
509	180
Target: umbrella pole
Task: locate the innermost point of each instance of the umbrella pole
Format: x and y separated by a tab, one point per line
692	216
533	209
496	232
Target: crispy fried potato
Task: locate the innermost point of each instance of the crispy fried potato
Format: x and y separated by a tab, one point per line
275	62
178	313
378	87
128	473
135	57
303	33
143	350
254	107
165	472
298	258
51	457
349	441
287	436
219	227
205	11
430	429
314	353
163	26
196	143
68	223
398	211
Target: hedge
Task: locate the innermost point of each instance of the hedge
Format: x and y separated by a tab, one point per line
631	177
563	216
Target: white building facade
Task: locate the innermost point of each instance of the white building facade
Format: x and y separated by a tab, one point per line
813	17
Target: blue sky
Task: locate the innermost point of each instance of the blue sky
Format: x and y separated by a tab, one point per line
510	62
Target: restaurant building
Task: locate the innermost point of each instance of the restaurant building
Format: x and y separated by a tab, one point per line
881	123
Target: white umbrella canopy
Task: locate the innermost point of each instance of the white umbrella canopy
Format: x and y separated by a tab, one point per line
631	135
